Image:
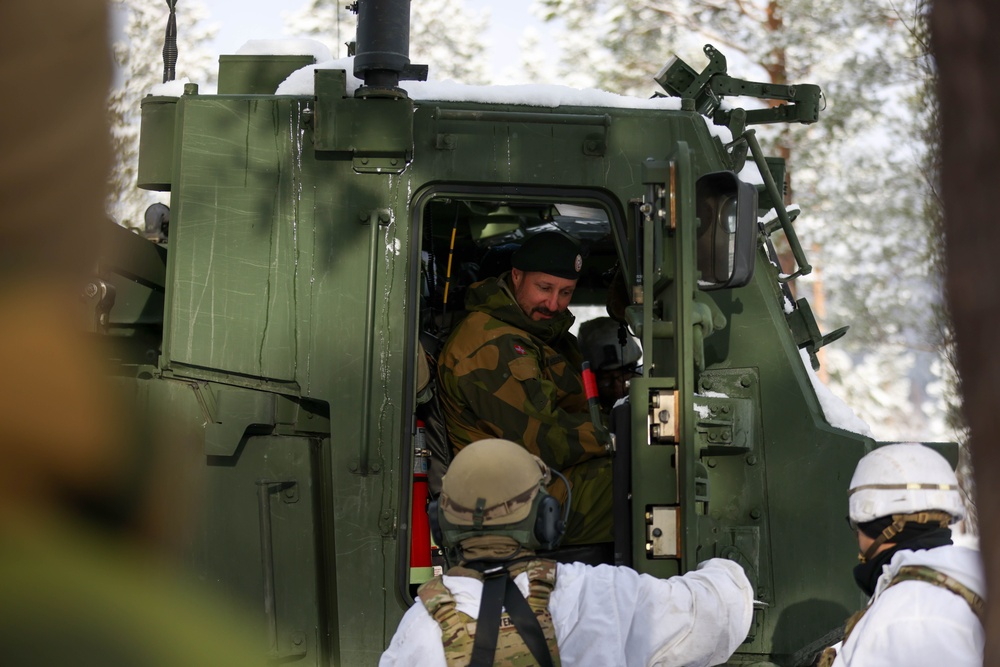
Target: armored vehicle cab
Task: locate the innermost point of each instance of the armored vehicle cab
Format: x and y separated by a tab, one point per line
321	225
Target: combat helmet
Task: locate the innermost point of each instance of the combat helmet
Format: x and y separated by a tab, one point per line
900	484
903	479
496	487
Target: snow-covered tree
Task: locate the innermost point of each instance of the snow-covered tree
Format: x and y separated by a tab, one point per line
535	64
450	38
858	174
444	34
878	227
138	55
328	21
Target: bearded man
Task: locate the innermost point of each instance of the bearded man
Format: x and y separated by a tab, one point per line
511	370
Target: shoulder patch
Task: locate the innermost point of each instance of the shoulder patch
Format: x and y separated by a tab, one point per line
519	349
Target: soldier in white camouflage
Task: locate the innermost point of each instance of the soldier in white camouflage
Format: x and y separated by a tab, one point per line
926	593
504	605
511	370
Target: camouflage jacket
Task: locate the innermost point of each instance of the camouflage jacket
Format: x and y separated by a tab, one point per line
503	375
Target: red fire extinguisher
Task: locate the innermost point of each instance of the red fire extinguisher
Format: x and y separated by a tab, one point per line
420	530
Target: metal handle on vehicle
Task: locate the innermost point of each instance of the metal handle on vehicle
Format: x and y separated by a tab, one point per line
779	207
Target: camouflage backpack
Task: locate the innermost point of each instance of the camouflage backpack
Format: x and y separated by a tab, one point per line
458	630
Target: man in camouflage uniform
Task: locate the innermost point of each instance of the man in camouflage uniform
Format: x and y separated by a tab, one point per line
511	370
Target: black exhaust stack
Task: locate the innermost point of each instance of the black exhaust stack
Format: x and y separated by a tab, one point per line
382	57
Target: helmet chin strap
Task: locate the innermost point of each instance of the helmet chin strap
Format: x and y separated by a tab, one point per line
899	522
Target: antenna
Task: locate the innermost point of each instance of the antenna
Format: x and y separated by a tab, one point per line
170	44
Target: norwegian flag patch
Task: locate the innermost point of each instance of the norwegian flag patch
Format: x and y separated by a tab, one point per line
519	349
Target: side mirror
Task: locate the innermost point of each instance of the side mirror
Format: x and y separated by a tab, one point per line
727	230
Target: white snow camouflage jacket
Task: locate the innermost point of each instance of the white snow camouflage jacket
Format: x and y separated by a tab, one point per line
918	623
608	615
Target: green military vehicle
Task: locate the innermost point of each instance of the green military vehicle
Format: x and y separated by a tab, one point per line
319	230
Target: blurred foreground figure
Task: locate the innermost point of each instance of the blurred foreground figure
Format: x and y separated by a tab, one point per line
80	501
968	58
926	593
503	605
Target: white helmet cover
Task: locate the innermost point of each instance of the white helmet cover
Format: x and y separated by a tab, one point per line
903	479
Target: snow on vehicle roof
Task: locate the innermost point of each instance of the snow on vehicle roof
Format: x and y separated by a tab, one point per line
173	88
285	47
300	82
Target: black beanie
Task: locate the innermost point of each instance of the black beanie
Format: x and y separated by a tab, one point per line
553	253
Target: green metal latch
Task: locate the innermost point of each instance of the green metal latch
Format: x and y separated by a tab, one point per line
376	131
805	331
724	425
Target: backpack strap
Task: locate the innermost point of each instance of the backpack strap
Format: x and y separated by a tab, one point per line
932	576
440	604
484	646
541	581
527	624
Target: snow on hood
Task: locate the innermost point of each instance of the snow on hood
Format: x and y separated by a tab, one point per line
838	413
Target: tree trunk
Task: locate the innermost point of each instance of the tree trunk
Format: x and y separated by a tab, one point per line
964	40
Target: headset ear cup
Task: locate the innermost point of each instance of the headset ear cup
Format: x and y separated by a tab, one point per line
549	524
432	518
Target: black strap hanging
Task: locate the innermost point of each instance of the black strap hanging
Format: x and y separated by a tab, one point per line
499	591
488	624
527	624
